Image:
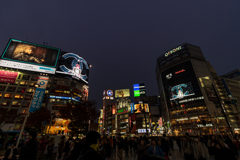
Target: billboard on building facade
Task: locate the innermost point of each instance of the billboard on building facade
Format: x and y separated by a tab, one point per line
122	93
8	76
73	65
29	56
139	90
181	90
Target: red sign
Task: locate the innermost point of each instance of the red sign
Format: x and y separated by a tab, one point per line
180	71
8	76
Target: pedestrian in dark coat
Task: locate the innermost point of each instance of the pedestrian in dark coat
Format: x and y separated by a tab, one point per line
11	153
91	148
142	149
31	150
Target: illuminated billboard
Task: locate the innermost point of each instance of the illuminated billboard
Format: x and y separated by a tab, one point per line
73	65
139	90
140	107
8	76
122	93
181	90
29	56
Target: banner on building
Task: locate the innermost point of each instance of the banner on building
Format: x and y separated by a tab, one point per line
39	94
8	76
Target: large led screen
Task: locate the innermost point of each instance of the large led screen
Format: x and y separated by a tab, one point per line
31	54
122	93
181	90
74	65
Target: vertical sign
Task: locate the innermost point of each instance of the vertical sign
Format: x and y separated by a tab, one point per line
39	94
139	90
160	121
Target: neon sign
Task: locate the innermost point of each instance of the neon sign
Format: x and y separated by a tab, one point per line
183	70
173	50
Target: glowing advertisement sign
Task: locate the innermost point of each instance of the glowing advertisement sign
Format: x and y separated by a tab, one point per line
60	97
180	91
122	93
110	93
39	94
143	130
8	76
139	90
73	65
29	56
172	51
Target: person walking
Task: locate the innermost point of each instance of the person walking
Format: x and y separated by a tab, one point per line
159	143
66	148
188	150
178	140
126	146
11	153
91	147
42	146
120	146
142	149
165	143
155	149
60	147
31	150
202	151
223	153
107	147
50	149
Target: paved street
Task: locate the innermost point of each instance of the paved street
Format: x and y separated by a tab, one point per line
176	156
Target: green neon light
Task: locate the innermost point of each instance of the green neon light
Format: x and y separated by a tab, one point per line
137	93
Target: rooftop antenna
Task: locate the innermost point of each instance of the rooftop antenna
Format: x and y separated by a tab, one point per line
43	43
46	43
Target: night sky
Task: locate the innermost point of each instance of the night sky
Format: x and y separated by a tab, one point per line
123	39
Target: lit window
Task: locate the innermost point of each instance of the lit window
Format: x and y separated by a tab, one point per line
46	91
30	90
14	103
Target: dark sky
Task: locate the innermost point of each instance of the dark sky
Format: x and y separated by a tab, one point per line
122	39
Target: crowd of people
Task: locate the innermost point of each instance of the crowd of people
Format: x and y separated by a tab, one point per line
98	147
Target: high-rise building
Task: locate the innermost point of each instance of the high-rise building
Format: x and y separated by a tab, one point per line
34	76
189	97
228	87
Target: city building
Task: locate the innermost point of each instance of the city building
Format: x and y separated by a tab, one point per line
108	112
189	97
34	76
228	86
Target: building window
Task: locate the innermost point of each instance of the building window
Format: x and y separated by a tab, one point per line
28	97
2	88
26	77
30	90
0	94
7	95
15	104
4	103
31	84
11	89
46	91
34	78
23	83
21	90
19	76
18	96
25	104
52	100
